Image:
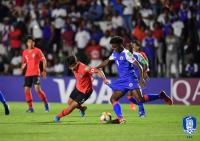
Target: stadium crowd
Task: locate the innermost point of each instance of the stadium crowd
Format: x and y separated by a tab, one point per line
167	31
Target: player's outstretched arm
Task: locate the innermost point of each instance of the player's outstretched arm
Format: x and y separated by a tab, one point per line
102	75
103	64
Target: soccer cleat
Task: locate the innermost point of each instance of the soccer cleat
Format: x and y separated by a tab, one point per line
118	121
165	98
141	114
132	106
46	107
30	110
7	110
56	119
122	121
82	111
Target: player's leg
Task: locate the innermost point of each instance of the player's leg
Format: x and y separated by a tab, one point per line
40	92
73	105
151	97
3	101
116	106
133	102
28	96
137	101
29	99
76	99
80	99
81	107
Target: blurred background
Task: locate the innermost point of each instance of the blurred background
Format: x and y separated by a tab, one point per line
169	33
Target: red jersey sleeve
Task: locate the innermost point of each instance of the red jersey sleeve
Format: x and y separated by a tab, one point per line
23	57
40	55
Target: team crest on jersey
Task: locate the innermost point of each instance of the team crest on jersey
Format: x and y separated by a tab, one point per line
87	68
130	84
129	54
81	75
121	58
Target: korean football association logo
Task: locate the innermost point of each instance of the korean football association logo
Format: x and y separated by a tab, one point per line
189	124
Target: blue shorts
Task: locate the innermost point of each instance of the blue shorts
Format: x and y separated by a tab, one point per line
124	85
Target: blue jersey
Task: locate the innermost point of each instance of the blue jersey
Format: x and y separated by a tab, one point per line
124	62
126	71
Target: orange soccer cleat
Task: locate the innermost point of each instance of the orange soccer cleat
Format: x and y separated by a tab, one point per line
166	98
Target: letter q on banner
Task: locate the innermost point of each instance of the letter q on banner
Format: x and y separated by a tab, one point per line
178	94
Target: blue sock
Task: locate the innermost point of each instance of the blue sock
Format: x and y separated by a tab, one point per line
141	107
151	97
117	110
2	99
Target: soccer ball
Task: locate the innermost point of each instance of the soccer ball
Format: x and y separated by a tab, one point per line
105	117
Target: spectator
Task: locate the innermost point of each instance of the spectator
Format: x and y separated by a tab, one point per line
139	32
15	40
127	13
68	37
58	14
191	68
95	11
94	53
47	31
16	63
82	38
158	34
117	21
150	45
172	44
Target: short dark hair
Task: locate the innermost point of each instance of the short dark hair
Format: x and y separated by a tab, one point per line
29	37
137	42
71	60
116	40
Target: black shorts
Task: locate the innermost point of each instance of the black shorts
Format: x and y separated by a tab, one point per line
30	80
79	97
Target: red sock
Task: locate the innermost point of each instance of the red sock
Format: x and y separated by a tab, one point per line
29	98
65	112
146	98
42	97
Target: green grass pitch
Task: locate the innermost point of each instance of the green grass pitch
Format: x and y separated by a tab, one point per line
162	123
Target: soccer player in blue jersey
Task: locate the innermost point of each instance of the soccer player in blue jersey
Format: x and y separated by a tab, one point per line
144	63
3	101
127	81
133	48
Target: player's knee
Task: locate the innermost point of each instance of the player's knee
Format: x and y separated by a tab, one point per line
37	90
112	100
141	100
27	90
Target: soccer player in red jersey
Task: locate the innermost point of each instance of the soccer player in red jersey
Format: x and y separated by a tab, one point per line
83	89
31	58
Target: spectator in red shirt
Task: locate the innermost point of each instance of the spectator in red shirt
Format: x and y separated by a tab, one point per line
94	53
15	40
139	32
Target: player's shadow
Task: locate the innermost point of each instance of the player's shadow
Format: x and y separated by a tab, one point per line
68	123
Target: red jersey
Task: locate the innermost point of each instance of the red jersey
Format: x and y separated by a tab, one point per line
83	76
32	59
